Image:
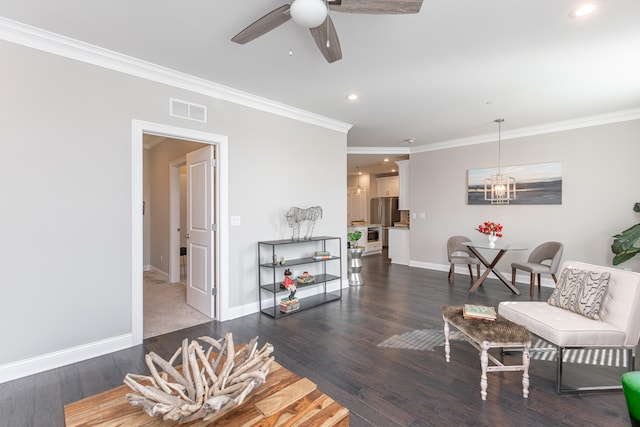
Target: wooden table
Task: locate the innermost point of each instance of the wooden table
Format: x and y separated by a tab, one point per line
485	335
284	399
502	249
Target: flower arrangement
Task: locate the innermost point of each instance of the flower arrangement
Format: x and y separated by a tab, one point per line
490	227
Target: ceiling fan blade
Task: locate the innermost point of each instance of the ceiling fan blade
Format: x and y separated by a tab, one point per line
268	22
327	32
381	7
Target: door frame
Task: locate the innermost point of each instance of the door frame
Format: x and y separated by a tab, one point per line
174	218
139	128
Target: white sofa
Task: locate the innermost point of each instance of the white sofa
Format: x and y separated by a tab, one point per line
618	327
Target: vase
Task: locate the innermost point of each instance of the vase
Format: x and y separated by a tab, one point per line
354	266
492	239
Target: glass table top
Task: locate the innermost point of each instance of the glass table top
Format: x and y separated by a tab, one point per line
498	246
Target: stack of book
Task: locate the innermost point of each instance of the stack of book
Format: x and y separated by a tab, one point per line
321	255
470	311
288	305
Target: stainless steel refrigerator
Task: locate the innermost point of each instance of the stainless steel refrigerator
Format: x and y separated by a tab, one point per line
384	211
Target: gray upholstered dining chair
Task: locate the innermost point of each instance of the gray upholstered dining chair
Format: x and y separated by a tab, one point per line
457	253
544	259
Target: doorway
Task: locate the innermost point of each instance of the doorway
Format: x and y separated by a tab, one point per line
198	229
220	257
171	299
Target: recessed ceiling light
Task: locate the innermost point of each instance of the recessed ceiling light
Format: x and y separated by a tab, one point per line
386	160
352	97
583	10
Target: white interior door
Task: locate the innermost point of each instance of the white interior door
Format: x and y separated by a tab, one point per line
200	230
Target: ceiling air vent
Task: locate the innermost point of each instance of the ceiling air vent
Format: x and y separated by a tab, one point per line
187	110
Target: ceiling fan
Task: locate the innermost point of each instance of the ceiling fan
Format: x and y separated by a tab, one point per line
313	14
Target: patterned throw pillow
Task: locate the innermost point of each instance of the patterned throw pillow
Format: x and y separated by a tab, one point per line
580	291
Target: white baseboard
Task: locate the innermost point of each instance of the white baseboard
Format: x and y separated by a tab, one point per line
157	270
243	310
45	362
547	281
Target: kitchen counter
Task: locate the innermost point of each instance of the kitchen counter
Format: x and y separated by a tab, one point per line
399	240
371	241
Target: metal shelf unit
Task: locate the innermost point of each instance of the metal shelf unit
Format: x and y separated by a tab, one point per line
271	275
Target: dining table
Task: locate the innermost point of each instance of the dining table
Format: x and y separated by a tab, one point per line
500	249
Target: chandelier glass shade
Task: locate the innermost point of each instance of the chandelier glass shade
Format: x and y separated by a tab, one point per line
308	13
500	188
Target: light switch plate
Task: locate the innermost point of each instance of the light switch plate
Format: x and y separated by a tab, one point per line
235	220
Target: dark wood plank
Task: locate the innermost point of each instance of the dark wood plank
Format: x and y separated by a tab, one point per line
336	346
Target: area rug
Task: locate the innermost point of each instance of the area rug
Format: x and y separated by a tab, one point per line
420	339
428	339
592	356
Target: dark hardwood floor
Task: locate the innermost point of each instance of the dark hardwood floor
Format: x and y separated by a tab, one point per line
336	346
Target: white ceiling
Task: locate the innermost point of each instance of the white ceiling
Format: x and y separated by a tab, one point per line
443	74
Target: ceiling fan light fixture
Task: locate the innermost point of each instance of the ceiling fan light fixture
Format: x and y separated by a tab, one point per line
308	13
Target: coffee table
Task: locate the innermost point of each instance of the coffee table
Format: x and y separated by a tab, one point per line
285	399
485	335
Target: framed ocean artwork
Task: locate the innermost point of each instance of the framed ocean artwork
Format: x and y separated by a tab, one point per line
536	184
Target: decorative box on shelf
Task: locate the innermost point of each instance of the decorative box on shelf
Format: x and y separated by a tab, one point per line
305	279
288	305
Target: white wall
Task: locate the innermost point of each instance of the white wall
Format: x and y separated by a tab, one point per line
600	187
65	132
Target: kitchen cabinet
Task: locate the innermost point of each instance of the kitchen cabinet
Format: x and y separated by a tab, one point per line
387	186
356	205
403	184
399	239
325	269
371	238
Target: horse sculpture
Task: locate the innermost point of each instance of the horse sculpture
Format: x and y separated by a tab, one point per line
296	216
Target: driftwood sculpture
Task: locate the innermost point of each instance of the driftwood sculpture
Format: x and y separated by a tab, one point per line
296	216
208	383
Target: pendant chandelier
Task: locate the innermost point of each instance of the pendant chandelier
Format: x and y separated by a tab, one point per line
358	188
500	188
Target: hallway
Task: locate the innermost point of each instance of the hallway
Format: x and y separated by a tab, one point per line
165	306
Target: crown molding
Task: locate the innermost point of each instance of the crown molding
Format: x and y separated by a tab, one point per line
378	150
582	122
37	38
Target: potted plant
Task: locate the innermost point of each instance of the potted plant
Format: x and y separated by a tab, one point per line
623	243
353	238
354	255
